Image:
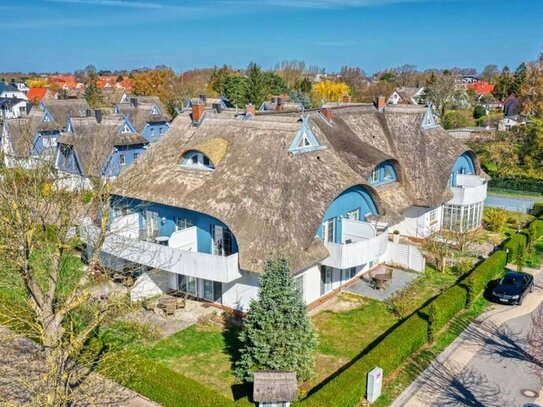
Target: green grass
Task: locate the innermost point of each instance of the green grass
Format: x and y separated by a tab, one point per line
203	352
533	196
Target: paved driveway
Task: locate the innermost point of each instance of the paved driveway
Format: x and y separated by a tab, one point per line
487	366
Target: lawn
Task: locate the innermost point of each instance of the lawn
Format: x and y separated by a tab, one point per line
202	352
344	335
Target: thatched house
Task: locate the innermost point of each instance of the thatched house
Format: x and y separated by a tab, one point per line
275	388
90	150
222	193
147	114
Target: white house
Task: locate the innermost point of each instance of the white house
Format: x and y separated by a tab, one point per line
9	90
220	194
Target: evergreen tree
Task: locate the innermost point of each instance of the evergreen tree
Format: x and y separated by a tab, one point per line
277	334
504	84
235	89
93	94
519	79
258	89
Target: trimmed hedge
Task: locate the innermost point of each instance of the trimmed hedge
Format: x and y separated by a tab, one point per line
512	245
517	184
484	273
444	307
349	386
167	387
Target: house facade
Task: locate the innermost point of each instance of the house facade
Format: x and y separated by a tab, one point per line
220	194
147	114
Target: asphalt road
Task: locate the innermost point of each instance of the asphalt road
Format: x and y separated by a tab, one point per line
487	366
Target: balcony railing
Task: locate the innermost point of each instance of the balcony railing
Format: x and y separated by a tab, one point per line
362	243
469	189
175	260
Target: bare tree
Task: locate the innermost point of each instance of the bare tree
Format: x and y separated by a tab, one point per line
439	250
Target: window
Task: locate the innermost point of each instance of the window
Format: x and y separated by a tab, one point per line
383	174
152	132
222	240
300	284
136	155
182	223
326	279
347	274
433	217
354	214
122	159
329	230
125	129
198	160
160	131
374	177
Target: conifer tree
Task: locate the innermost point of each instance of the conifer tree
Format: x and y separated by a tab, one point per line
277	334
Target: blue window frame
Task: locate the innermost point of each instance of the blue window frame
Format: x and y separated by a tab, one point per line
384	173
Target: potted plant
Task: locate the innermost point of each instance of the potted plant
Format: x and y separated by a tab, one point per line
396	236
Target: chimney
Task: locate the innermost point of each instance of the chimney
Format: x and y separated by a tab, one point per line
250	109
217	107
279	104
98	115
347	99
197	113
381	103
134	101
327	113
203	98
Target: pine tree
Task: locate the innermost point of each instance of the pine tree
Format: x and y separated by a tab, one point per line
277	334
93	94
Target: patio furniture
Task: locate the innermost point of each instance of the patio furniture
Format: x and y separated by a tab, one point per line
168	305
382	280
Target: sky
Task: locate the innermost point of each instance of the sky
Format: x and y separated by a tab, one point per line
64	35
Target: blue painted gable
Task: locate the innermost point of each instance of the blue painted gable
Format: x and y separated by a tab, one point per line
153	131
355	199
121	158
67	160
463	165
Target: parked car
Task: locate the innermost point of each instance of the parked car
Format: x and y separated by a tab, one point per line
513	287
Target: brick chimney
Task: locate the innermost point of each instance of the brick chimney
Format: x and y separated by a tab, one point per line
347	99
327	113
197	113
250	108
381	103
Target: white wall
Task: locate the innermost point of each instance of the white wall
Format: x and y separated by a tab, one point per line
417	222
238	294
150	284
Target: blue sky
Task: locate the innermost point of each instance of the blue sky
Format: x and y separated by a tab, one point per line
63	35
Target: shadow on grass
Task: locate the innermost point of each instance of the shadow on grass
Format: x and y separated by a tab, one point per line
233	345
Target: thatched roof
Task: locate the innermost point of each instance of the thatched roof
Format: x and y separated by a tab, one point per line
274	201
61	109
21	133
274	386
140	115
94	141
215	149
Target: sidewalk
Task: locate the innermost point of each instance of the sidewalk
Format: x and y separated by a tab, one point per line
485	365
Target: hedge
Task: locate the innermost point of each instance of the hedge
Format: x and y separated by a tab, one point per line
537	225
349	386
165	386
512	245
484	273
444	307
517	184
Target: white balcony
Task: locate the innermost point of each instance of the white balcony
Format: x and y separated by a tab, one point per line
362	243
175	260
469	189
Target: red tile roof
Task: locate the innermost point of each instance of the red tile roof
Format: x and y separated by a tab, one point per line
483	88
36	95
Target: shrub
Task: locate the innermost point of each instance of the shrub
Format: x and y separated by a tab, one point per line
348	387
166	386
537	227
517	184
444	307
495	219
513	244
537	210
484	273
455	119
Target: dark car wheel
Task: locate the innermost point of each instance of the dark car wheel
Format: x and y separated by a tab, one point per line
519	302
532	288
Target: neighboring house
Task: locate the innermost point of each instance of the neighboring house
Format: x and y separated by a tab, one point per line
16	139
507	123
13	108
10	90
218	104
218	195
406	96
65	82
147	114
280	104
511	106
37	95
481	87
90	150
21	86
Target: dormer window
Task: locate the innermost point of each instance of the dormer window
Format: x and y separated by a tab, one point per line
305	141
384	173
197	160
125	129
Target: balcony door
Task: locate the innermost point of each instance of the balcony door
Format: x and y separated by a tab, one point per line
329	230
222	240
326	279
187	284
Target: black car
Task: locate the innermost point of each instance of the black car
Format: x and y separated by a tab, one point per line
513	287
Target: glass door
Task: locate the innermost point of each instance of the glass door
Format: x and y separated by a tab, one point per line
208	290
187	284
326	279
151	224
